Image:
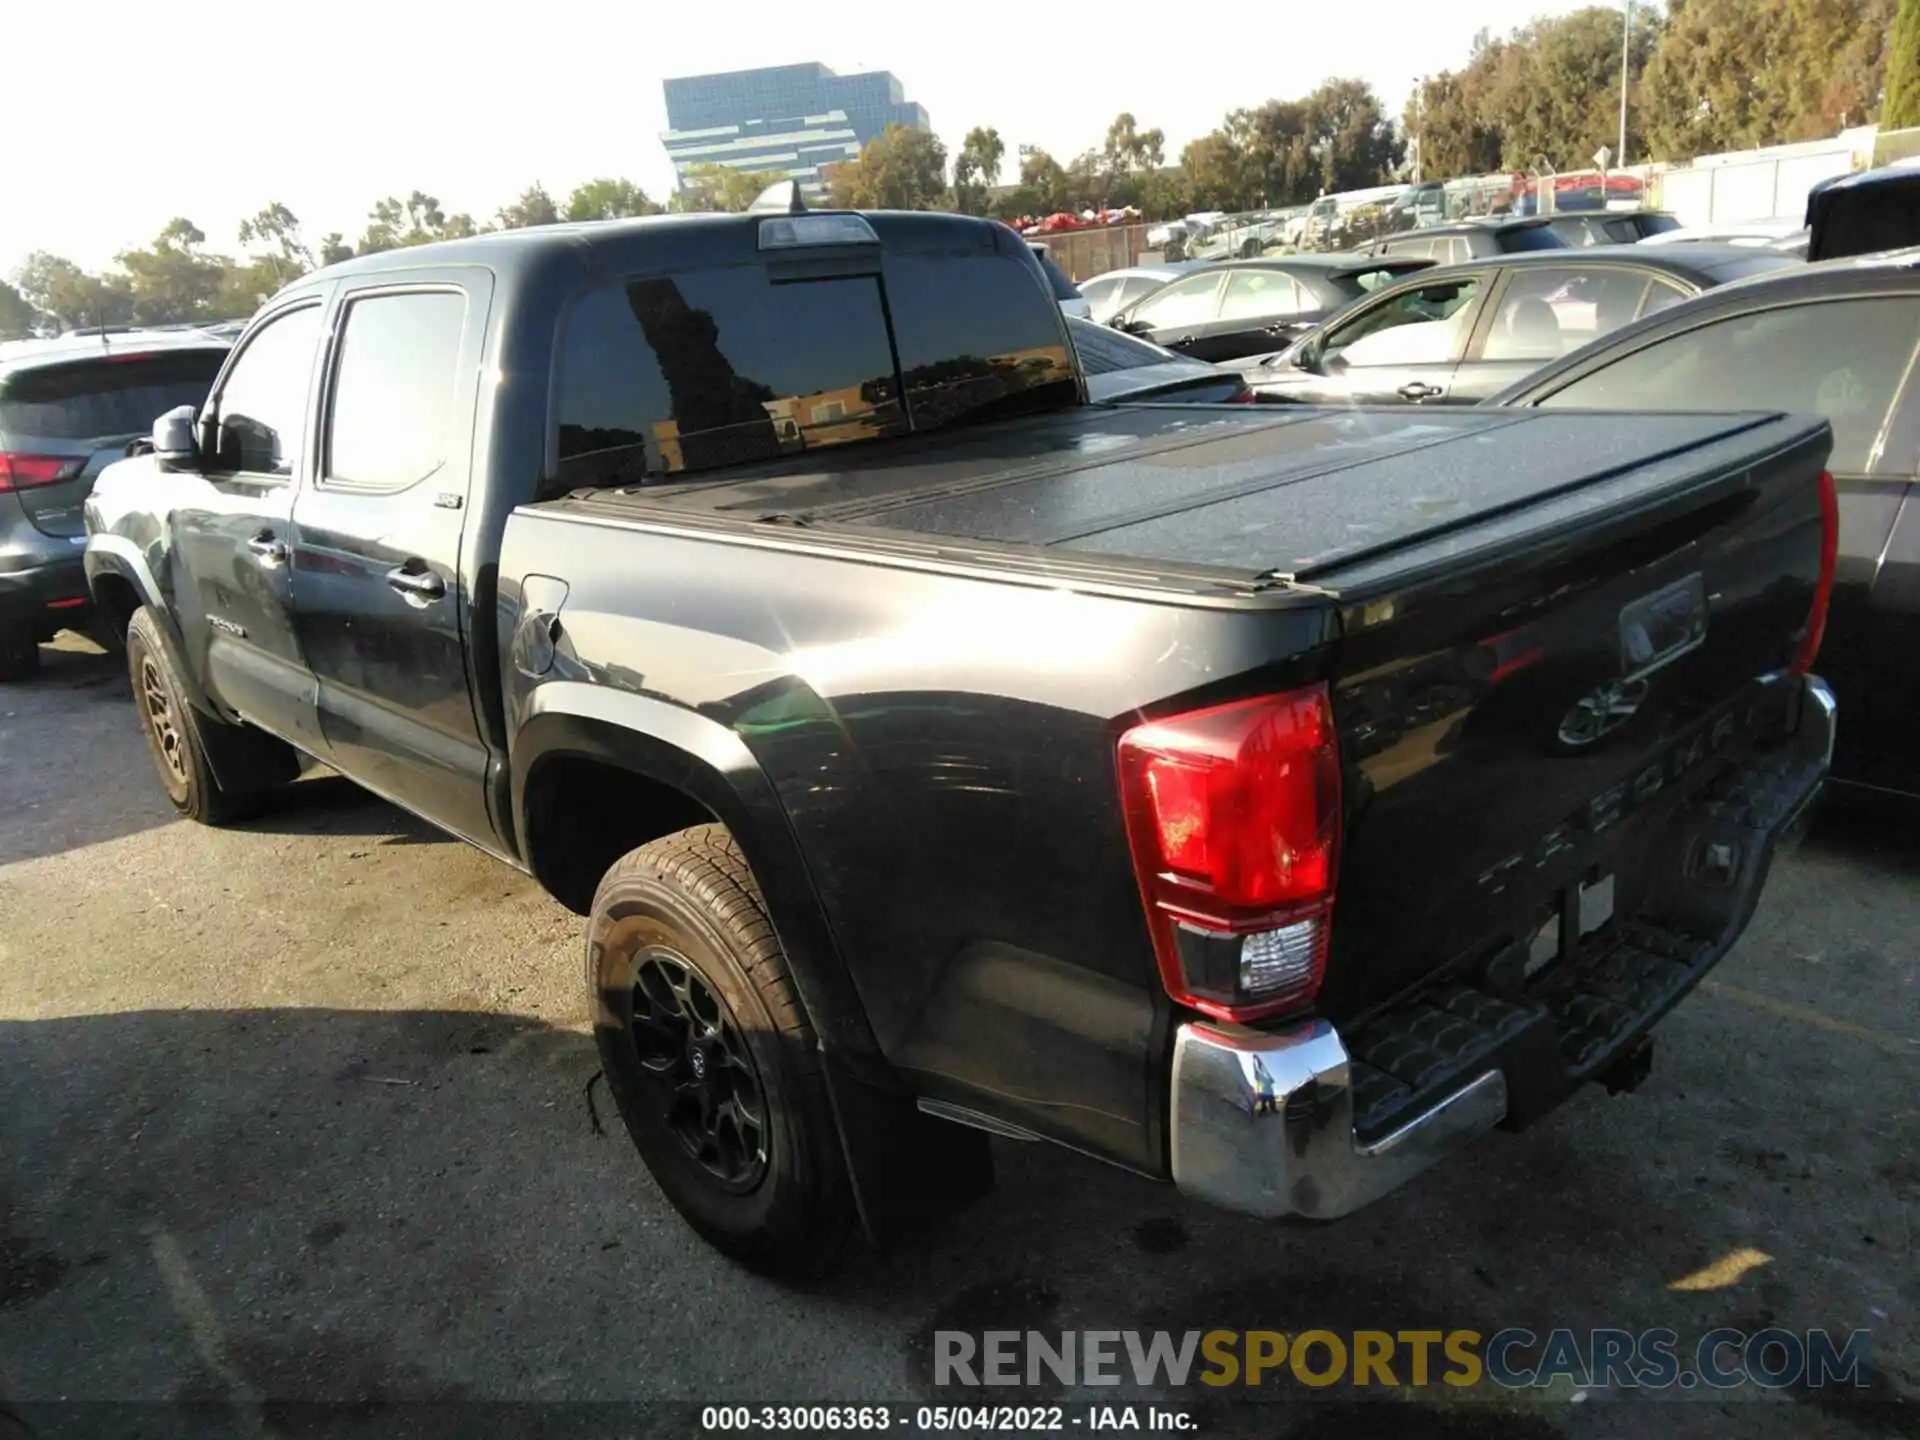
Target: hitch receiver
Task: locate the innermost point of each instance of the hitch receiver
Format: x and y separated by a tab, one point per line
1628	1069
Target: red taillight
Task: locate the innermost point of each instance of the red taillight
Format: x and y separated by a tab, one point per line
1233	814
1245	397
23	472
1816	629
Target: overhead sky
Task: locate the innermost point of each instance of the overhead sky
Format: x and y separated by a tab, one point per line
125	113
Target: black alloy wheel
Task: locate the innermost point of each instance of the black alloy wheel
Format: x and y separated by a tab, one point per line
699	1068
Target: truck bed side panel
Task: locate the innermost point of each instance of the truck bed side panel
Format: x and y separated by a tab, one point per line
944	750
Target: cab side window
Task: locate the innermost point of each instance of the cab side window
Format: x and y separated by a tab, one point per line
1192	301
262	408
395	379
1420	326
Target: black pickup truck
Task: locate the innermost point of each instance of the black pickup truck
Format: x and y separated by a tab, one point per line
1270	801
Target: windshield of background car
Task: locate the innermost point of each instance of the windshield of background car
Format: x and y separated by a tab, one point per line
104	397
1103	350
1530	237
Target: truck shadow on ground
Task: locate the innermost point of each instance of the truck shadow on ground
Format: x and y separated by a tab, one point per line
252	1209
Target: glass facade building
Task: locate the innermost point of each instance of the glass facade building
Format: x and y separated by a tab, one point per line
789	119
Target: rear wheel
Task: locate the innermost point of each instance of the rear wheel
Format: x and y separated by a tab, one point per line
19	654
212	772
710	1055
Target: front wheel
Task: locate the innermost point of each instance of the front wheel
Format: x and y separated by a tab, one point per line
213	772
711	1057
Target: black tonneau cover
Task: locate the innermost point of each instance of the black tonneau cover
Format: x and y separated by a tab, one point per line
1316	496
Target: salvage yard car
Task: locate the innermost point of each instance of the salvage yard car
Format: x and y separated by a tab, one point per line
1456	335
1268	801
69	407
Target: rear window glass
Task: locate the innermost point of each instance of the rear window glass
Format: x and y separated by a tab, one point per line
1358	282
1103	351
669	374
1530	237
105	398
977	337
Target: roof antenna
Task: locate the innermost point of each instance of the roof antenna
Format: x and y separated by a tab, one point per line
783	197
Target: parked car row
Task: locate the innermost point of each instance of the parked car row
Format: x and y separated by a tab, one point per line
69	407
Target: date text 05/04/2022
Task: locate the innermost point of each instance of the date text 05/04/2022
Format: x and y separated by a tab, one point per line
1011	1419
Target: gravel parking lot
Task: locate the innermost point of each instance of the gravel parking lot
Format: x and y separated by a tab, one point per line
300	1111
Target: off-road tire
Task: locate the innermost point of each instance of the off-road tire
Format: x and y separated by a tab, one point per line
213	772
689	899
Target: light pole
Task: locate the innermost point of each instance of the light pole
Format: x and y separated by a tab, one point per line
1626	40
1419	96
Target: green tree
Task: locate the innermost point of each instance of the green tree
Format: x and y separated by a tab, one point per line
1355	141
18	319
334	249
720	187
900	169
534	207
1128	150
1729	74
1451	120
1551	88
608	200
1216	171
417	220
62	291
277	230
1279	160
1045	179
1901	108
976	169
174	279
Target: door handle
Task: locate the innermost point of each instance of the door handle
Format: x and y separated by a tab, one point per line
271	551
416	582
1416	391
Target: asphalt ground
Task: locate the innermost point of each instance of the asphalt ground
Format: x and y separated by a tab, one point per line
302	1112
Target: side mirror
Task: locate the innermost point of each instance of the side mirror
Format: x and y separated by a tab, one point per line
1307	358
175	446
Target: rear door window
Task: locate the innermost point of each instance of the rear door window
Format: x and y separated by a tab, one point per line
1257	294
1843	359
105	398
394	386
1546	312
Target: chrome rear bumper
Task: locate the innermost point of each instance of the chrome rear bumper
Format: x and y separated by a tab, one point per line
1265	1122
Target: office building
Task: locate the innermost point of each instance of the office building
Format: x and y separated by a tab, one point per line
788	119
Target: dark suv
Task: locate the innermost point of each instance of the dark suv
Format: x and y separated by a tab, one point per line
1470	240
69	408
